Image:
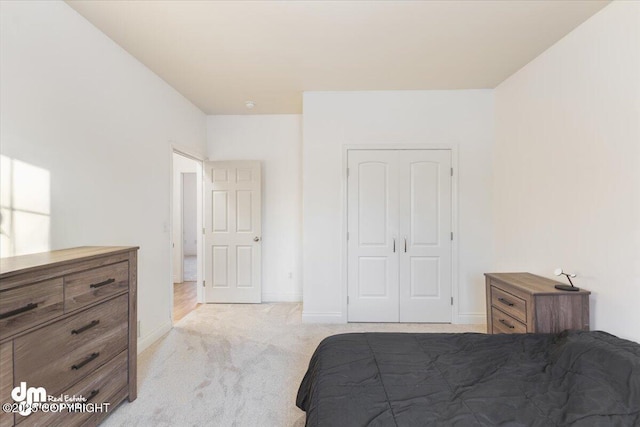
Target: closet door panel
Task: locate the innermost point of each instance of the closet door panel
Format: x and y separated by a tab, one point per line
424	197
425	227
373	228
373	204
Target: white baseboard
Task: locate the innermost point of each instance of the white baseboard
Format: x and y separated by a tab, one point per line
145	342
336	317
331	317
281	297
472	319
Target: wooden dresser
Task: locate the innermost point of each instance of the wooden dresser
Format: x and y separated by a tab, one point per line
68	324
522	302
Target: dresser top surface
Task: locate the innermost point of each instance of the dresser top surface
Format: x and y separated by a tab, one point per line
533	284
20	264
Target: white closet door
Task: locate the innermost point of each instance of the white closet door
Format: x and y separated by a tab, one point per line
425	230
233	232
372	224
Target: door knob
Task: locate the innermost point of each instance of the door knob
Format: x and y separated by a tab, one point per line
256	239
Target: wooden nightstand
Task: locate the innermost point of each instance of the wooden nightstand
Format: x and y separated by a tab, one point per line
523	302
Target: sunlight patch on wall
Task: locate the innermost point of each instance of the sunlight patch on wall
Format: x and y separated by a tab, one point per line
25	206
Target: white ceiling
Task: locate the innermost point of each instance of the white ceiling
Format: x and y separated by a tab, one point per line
221	53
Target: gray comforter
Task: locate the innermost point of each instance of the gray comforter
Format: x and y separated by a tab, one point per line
393	379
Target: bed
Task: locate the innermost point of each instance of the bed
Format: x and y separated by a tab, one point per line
394	379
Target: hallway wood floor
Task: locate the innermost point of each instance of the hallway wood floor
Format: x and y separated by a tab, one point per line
184	299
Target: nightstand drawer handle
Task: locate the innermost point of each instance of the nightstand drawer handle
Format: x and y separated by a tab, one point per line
504	301
106	282
85	361
504	322
85	327
27	307
93	394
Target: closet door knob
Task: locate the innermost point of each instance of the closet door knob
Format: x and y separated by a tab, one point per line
405	243
256	239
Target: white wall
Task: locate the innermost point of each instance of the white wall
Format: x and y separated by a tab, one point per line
276	140
332	120
78	106
189	214
567	165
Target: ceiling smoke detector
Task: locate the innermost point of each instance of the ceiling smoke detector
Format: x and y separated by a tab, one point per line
249	104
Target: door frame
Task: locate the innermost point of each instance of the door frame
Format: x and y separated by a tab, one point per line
453	147
199	159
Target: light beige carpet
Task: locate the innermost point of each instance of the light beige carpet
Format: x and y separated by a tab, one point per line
235	365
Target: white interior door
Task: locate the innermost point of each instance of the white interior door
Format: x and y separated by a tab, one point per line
425	228
373	236
399	225
233	230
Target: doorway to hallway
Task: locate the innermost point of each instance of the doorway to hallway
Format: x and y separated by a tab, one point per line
186	241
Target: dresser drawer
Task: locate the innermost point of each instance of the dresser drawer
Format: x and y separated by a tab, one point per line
512	305
505	324
60	354
99	387
27	306
6	381
86	287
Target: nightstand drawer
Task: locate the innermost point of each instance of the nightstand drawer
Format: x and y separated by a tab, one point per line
83	288
58	355
27	306
505	324
99	387
510	304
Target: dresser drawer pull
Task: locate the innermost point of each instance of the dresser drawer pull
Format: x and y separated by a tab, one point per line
85	327
504	301
93	394
505	323
85	361
105	283
27	307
